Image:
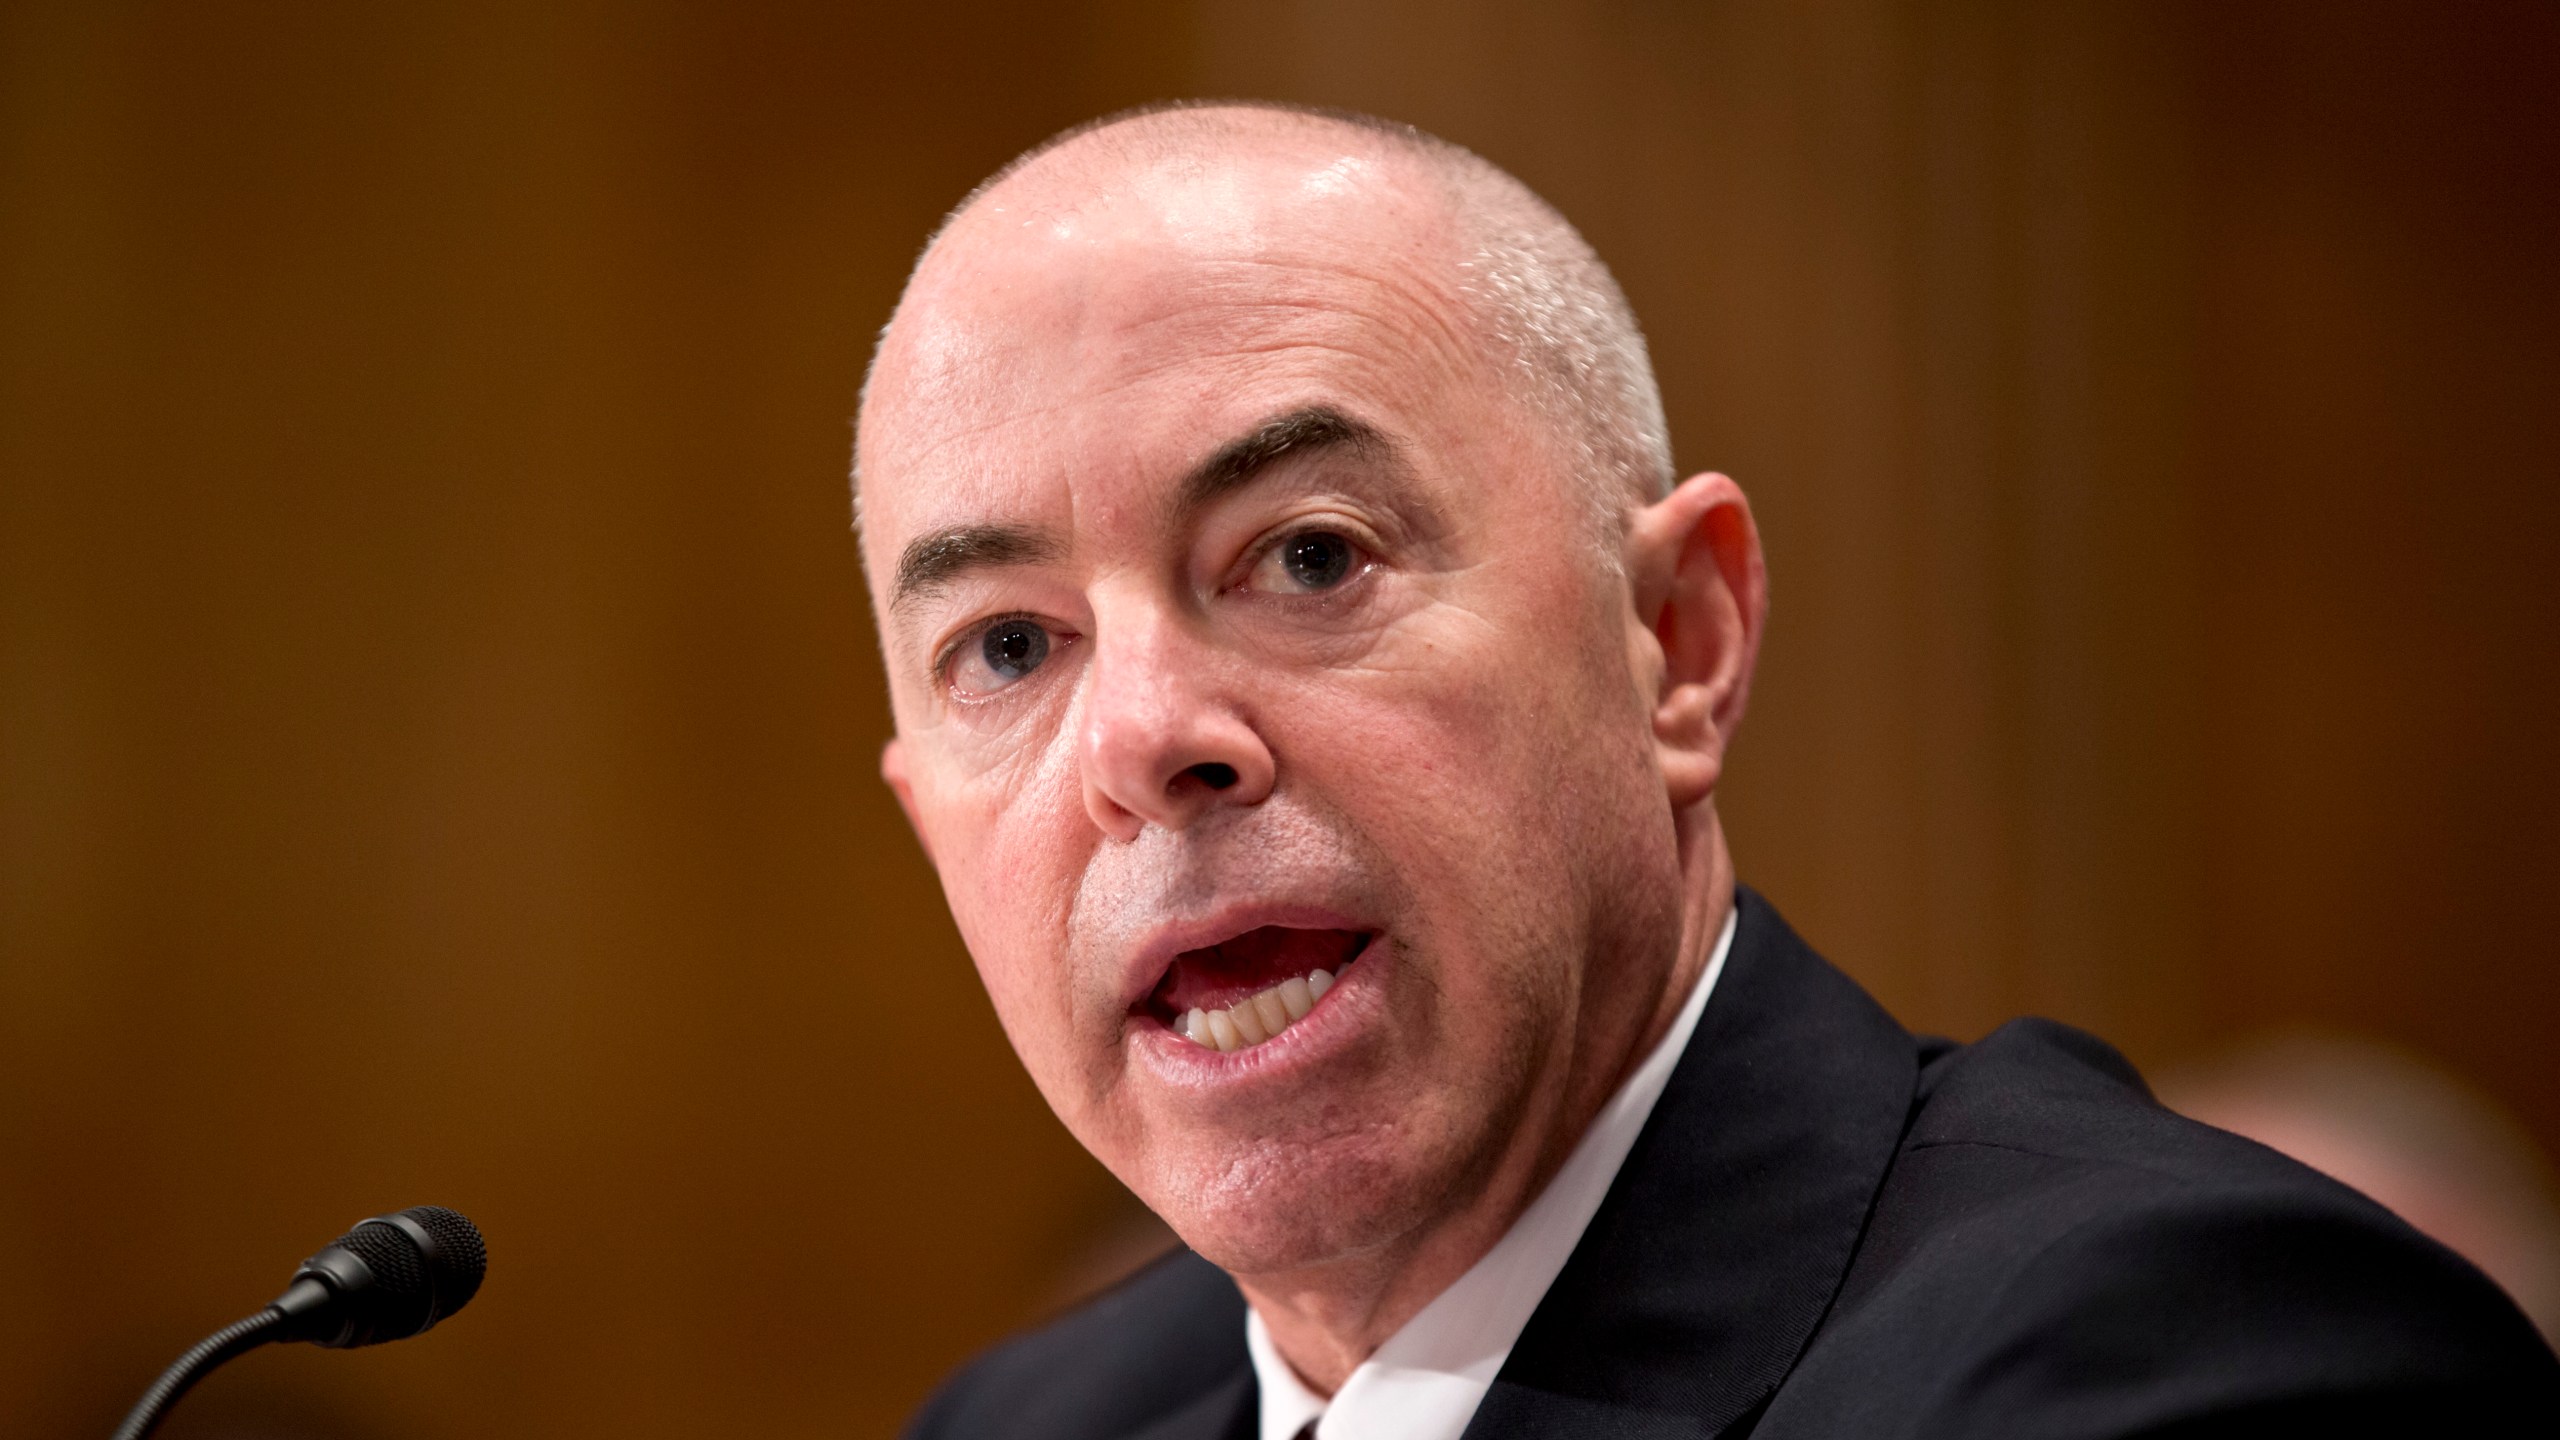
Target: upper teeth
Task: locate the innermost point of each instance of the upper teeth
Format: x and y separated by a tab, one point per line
1257	1018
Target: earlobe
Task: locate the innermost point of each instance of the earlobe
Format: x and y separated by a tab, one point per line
893	769
1700	590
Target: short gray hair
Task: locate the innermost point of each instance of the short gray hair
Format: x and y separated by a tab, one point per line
1549	298
1579	355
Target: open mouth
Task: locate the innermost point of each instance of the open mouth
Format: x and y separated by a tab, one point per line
1242	991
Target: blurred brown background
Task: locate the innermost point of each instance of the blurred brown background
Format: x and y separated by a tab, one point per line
438	712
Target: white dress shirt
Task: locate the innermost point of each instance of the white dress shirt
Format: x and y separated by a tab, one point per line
1425	1382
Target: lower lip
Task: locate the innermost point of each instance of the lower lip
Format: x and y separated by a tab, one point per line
1325	1030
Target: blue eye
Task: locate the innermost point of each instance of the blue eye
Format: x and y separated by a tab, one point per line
1004	653
1315	560
1013	648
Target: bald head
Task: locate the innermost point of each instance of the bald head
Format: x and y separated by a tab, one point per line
1516	276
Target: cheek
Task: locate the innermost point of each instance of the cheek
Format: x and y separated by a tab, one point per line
1477	762
1468	780
1476	726
1010	844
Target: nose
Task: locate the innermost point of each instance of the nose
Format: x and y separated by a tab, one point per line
1162	741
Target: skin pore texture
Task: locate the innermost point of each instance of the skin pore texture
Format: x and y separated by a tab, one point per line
1241	620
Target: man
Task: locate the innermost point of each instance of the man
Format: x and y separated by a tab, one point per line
1311	688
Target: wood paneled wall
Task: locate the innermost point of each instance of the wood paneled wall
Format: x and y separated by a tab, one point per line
437	711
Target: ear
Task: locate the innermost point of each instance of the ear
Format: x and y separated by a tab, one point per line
1701	595
893	769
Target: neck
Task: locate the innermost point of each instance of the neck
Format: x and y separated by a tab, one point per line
1327	1319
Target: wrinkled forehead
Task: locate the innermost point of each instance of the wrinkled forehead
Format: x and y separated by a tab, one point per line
1128	309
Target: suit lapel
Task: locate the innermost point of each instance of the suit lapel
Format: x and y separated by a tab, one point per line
1227	1412
1732	1222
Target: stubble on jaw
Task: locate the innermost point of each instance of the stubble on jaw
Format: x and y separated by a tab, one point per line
1357	1167
1361	1173
1226	1172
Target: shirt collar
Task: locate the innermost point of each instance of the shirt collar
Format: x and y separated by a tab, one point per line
1425	1382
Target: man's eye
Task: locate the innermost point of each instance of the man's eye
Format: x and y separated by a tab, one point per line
1307	562
1005	652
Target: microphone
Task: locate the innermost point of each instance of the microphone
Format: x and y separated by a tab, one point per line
387	1278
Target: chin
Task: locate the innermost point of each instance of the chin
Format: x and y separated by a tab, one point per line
1275	1205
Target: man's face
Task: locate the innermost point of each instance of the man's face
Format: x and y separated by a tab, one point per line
1241	625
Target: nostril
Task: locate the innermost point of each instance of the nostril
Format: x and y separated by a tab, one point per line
1213	774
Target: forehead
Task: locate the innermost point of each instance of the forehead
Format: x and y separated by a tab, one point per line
1086	334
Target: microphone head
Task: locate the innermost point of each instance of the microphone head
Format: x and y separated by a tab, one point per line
389	1278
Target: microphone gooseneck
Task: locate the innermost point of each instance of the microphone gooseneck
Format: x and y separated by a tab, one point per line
237	1338
388	1278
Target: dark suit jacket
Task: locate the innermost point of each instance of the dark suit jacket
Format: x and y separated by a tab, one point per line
1830	1227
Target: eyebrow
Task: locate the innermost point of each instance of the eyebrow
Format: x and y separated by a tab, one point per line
931	562
1302	431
